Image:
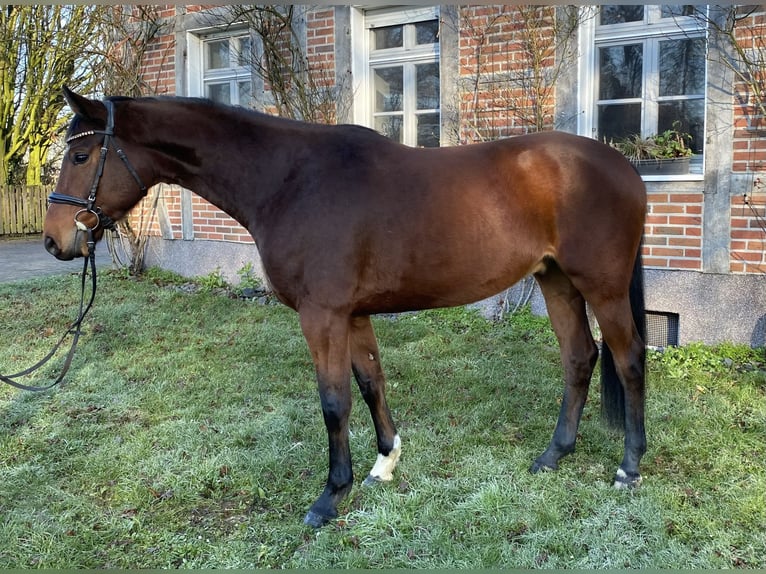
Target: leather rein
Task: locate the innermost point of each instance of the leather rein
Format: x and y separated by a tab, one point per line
88	206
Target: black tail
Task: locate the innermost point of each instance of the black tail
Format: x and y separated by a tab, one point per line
612	392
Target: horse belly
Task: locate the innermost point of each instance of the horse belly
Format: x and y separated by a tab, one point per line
457	273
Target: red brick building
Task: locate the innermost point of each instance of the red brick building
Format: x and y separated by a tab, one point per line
454	75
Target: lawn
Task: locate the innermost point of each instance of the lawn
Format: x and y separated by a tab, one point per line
189	435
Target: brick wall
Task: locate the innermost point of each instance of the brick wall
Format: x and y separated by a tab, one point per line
213	224
748	232
673	231
158	66
320	53
749	122
748	210
500	55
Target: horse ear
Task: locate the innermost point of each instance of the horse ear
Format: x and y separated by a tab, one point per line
84	107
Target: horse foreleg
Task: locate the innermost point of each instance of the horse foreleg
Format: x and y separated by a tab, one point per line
365	362
566	309
327	335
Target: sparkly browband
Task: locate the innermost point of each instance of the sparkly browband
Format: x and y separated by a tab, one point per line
82	135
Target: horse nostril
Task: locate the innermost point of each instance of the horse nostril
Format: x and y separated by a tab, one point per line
50	246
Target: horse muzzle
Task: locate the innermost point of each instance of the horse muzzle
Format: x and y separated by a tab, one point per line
71	245
63	254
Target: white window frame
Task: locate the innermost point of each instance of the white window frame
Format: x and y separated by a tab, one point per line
649	32
365	60
199	77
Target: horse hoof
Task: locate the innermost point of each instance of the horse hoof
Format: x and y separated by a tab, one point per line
624	480
539	466
316	520
371	481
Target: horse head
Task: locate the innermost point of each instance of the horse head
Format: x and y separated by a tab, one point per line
97	184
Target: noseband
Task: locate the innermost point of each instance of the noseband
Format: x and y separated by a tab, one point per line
89	205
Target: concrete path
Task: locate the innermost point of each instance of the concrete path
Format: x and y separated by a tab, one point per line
27	258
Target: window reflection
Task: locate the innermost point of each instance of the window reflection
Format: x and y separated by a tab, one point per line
621	71
390	126
676	10
427	32
618	121
244	51
220	93
619	14
389	89
428	86
246	94
218	54
428	130
682	67
387	37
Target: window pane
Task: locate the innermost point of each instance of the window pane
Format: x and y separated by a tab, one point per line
682	67
219	93
427	32
620	71
618	121
244	58
686	116
675	10
428	130
388	89
217	54
245	94
390	126
619	14
428	86
387	37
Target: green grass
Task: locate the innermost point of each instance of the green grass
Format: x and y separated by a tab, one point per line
189	435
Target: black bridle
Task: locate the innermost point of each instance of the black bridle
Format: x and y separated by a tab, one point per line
88	206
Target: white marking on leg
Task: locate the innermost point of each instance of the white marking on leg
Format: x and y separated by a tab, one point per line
621	476
384	465
623	482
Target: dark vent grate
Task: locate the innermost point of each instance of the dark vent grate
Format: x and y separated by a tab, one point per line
661	329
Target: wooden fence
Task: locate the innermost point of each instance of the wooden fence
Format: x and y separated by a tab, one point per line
22	209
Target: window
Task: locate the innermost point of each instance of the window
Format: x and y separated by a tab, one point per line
403	75
226	70
647	74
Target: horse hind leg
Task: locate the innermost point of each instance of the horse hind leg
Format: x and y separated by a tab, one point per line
623	340
566	309
365	362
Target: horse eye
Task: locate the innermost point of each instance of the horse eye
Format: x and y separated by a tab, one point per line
80	158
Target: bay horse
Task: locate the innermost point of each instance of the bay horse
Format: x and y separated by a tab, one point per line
349	223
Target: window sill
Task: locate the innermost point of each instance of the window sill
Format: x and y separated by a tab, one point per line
684	177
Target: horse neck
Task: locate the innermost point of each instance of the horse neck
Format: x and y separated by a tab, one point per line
224	155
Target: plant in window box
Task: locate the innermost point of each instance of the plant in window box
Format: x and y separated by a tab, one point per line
667	153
